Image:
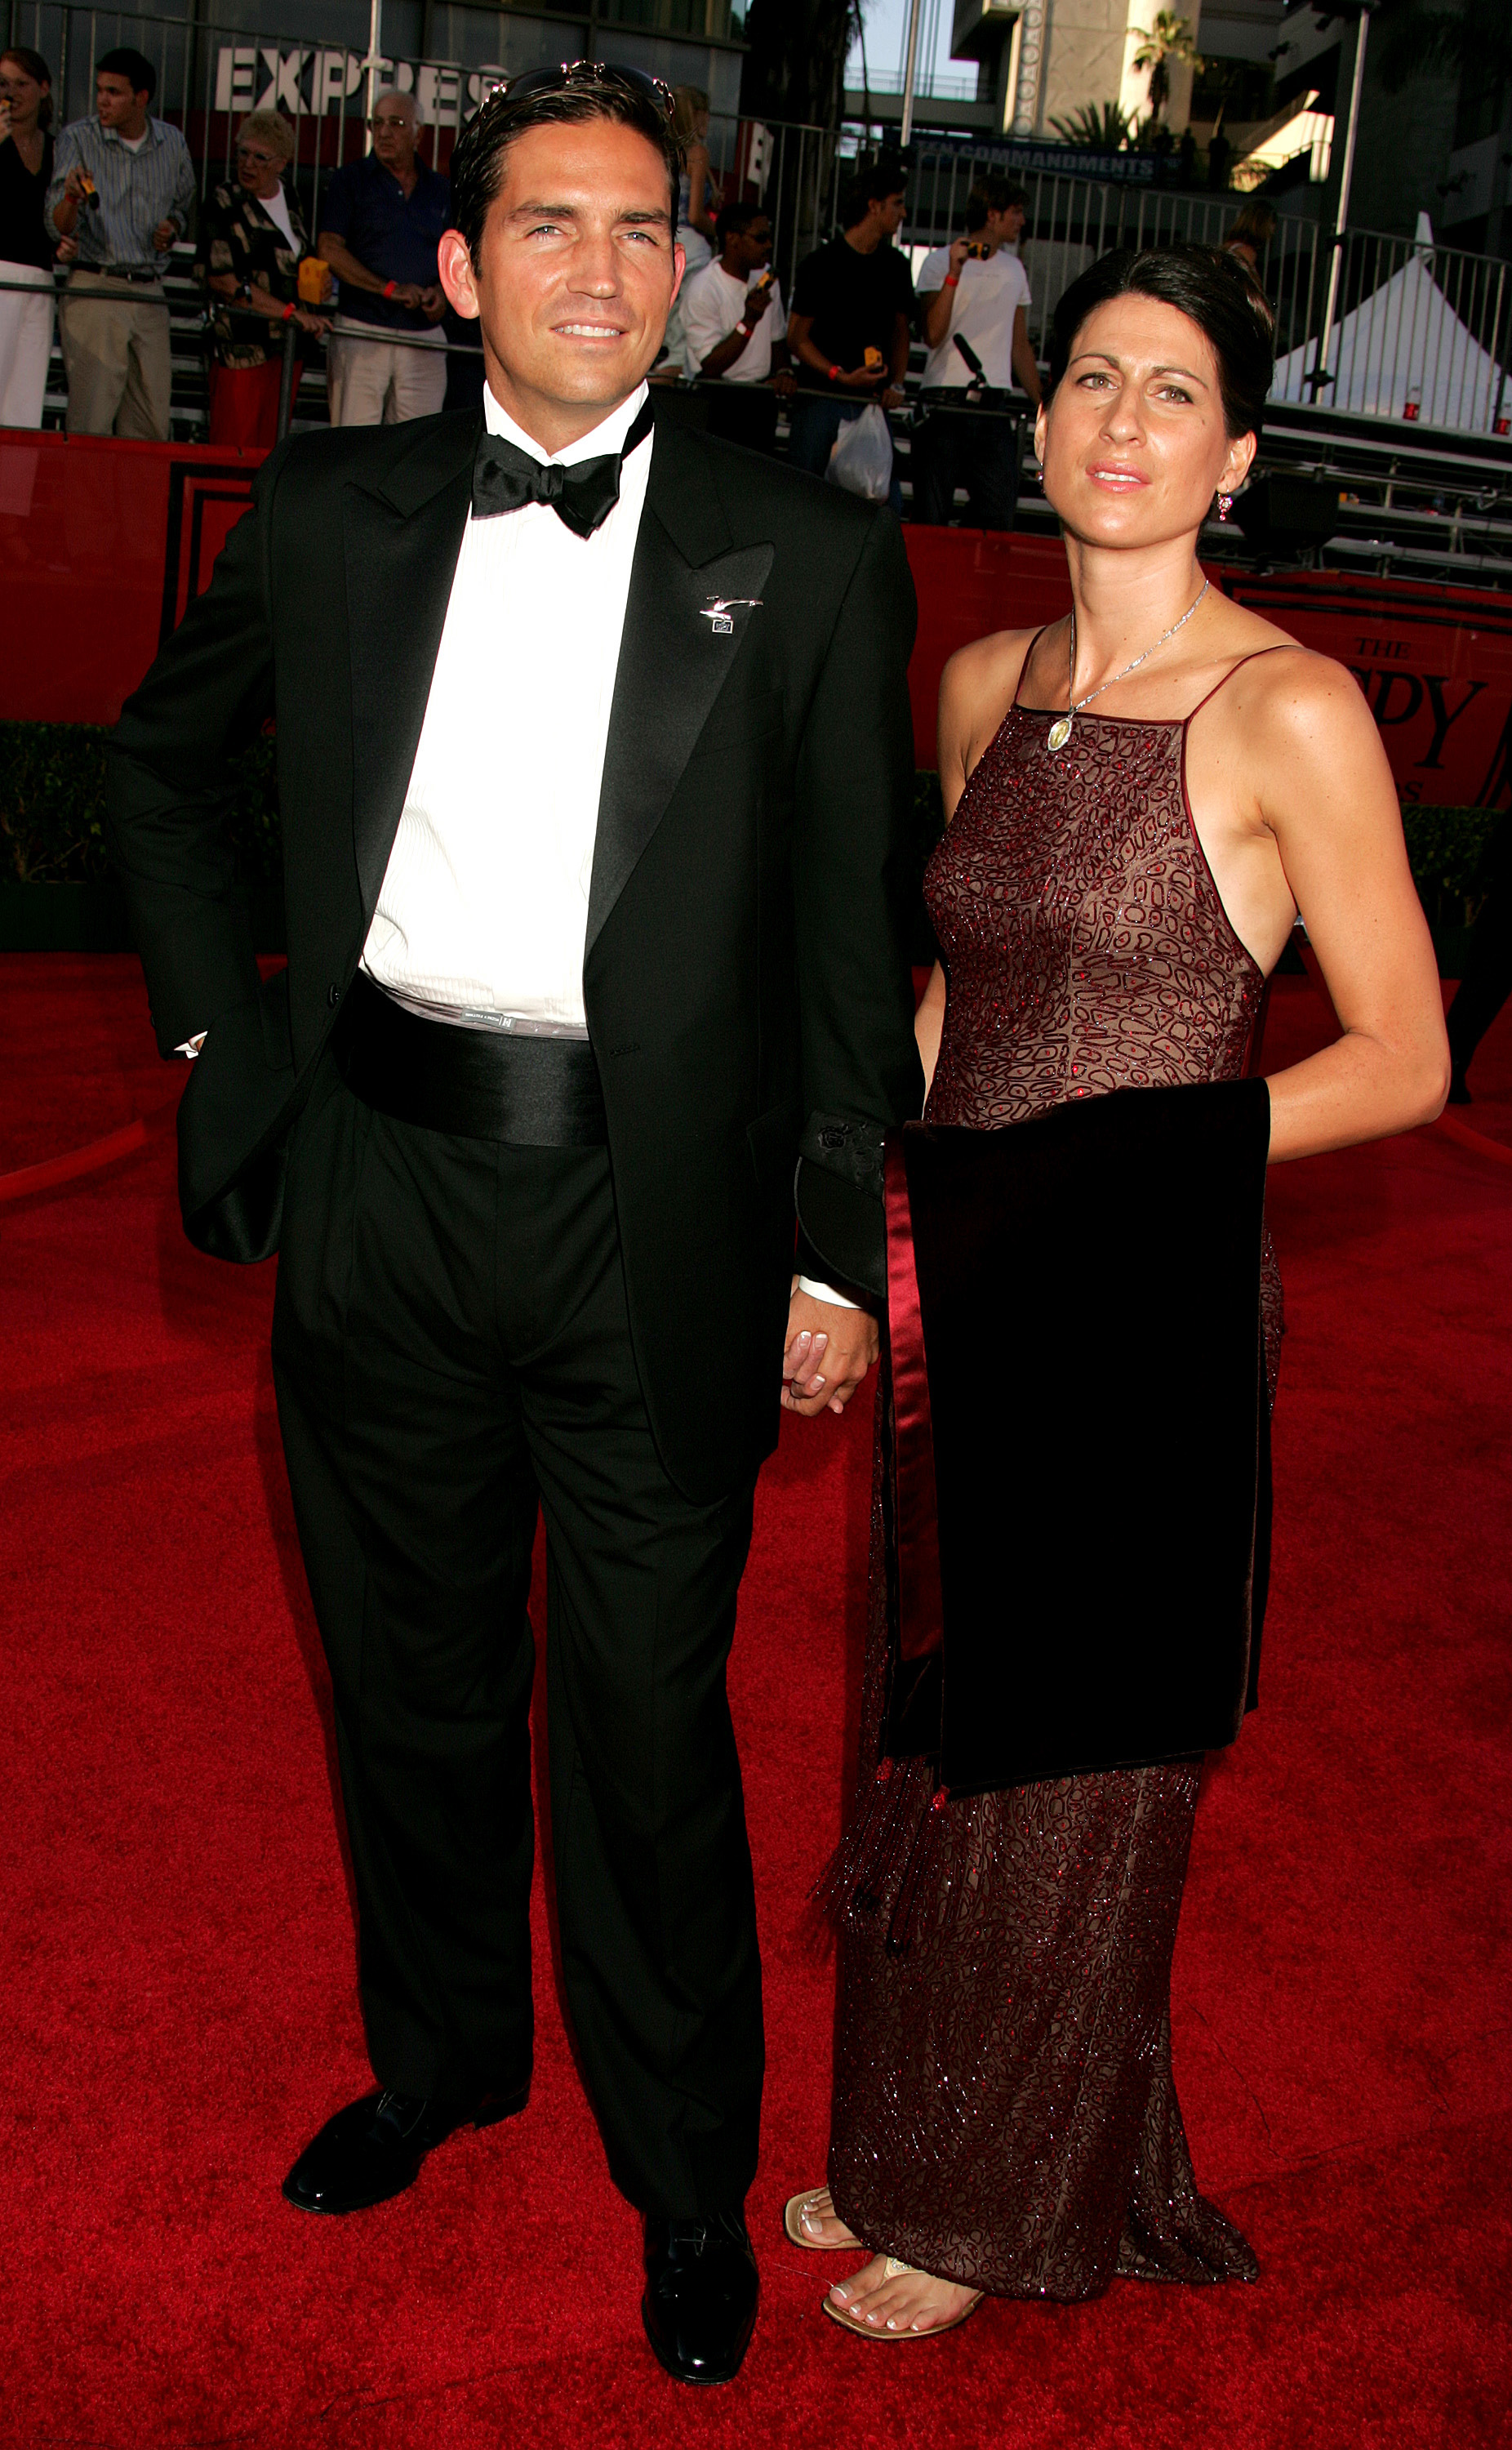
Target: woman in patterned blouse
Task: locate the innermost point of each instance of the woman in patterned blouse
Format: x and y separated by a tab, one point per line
251	238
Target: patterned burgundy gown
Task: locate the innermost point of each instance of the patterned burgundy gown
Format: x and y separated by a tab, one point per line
1004	2113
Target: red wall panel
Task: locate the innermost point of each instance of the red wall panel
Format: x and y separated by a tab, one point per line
103	543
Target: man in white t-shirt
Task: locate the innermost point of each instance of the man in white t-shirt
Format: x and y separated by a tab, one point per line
977	293
735	330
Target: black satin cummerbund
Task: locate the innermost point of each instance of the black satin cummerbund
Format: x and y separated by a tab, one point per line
479	1085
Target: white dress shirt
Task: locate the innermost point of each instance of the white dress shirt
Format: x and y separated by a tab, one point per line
482	913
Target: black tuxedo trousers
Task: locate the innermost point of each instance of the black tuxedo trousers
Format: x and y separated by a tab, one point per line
467	1333
451	1350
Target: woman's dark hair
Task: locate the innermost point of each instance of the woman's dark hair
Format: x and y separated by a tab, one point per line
478	162
1213	289
136	69
38	71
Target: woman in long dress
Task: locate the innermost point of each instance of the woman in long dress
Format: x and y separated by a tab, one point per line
1109	899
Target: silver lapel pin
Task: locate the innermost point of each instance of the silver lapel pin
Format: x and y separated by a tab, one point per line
718	610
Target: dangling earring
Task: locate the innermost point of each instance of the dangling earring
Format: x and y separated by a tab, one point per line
1225	505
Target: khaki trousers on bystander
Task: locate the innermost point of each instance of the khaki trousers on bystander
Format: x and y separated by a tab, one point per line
117	357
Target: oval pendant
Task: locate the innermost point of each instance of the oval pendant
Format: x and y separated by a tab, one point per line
1059	733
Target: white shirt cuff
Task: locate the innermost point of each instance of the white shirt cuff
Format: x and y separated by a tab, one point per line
825	1293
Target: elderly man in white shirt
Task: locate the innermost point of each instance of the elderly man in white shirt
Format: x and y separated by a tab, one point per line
974	299
735	330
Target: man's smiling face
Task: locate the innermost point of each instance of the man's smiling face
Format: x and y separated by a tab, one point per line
576	272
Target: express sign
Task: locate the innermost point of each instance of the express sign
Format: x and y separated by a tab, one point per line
306	82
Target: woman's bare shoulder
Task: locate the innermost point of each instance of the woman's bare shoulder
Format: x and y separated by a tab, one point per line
986	667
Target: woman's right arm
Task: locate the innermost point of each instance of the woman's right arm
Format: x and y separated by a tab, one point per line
975	689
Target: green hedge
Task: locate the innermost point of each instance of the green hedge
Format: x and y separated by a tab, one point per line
53	830
52	808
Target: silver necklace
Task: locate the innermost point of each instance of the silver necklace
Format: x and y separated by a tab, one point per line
1059	732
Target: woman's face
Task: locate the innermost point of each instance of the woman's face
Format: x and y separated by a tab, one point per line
1133	444
22	93
258	167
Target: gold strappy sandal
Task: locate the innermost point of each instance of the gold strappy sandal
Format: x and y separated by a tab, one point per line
896	2270
793	2212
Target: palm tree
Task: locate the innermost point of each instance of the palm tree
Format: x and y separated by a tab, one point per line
1103	125
1165	44
1414	36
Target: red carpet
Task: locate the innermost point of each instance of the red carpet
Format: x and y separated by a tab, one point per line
178	1971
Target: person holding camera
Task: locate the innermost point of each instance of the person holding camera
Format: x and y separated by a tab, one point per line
252	240
734	330
26	244
974	297
122	196
851	320
380	233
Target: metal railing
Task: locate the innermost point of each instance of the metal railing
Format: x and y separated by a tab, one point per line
1424	333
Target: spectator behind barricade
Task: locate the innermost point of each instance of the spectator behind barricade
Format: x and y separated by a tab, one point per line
852	312
379	229
733	330
122	196
975	292
26	243
698	194
698	202
1252	233
252	238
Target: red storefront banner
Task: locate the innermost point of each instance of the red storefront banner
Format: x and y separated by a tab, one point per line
102	544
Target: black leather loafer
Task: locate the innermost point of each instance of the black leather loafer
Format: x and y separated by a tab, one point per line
374	2147
701	2290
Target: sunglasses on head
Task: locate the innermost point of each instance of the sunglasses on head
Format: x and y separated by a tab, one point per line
584	76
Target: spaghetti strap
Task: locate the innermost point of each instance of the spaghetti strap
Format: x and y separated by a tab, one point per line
1028	652
1253	658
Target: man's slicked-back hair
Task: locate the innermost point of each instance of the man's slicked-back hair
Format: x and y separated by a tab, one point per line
478	160
1213	290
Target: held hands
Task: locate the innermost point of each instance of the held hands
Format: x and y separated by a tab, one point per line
828	1354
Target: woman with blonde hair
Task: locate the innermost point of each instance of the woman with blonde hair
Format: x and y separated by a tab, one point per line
252	236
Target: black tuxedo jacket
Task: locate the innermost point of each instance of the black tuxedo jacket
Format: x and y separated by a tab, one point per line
745	977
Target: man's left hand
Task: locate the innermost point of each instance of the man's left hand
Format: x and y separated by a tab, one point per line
894	396
165	237
828	1354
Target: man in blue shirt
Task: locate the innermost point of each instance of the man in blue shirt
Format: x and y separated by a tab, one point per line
122	197
382	219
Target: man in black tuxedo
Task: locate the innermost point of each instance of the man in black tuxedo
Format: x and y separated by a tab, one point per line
594	764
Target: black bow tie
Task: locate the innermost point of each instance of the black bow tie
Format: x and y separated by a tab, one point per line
505	479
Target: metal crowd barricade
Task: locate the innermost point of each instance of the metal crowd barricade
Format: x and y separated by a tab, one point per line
210	74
